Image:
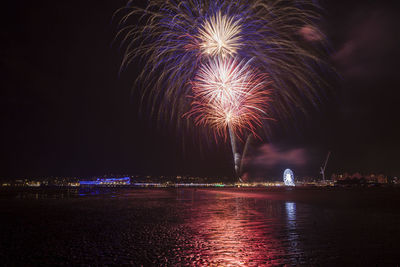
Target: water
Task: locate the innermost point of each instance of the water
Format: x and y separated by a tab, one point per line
224	227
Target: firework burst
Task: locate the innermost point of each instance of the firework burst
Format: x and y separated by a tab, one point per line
230	97
220	35
173	38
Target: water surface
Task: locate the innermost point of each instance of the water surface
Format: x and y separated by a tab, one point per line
224	227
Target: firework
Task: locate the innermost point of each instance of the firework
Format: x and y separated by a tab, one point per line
207	50
230	97
218	36
173	38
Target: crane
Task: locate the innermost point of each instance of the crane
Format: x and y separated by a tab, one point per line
324	167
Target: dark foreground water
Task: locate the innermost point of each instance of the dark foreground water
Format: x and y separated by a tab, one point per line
224	227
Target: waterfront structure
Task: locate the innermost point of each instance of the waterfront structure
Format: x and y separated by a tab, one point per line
288	177
107	181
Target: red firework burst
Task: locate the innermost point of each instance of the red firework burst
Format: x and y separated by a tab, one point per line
229	95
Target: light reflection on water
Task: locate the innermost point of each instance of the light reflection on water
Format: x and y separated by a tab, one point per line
290	213
172	227
244	231
291	225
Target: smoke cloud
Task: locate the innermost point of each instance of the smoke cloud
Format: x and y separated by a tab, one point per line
310	34
365	51
270	160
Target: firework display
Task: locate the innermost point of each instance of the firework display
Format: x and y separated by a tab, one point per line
227	65
229	95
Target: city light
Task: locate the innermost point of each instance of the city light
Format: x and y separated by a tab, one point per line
108	181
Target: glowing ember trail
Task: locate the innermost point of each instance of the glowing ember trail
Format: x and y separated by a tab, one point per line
231	98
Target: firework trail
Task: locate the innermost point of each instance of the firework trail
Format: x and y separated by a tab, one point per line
231	98
246	145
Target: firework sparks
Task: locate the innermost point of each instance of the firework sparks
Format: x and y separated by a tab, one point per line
219	36
201	48
230	96
174	38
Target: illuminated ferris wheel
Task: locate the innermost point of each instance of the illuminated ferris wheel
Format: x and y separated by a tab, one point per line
288	177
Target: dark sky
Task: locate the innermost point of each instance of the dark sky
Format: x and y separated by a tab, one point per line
66	111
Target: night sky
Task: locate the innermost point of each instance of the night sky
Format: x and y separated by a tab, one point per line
67	111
